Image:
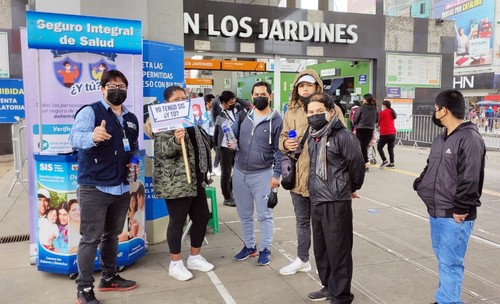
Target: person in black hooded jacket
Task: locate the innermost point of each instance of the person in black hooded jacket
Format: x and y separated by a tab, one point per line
365	122
337	170
450	186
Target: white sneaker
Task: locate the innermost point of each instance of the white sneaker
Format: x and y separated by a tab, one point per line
216	171
296	266
199	263
179	272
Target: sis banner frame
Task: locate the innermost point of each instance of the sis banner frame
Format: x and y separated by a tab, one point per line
63	58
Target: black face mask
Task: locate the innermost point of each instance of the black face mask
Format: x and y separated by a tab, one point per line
260	103
317	121
436	121
305	100
117	96
231	107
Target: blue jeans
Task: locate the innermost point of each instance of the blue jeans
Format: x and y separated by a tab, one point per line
449	241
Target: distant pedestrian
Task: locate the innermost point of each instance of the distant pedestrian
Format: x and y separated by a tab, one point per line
450	186
365	122
352	114
490	115
387	133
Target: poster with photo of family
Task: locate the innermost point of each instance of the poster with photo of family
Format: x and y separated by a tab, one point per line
474	25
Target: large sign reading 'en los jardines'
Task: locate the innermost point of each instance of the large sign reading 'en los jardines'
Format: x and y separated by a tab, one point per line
276	29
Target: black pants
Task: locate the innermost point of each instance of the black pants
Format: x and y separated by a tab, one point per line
178	209
226	166
364	136
389	140
332	238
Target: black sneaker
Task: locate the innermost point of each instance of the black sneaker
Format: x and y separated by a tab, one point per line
391	165
320	295
116	283
229	202
384	164
86	296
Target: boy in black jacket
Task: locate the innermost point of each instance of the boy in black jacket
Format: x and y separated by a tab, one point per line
337	170
450	186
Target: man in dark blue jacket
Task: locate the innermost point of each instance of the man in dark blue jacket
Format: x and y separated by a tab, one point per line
450	186
105	134
337	170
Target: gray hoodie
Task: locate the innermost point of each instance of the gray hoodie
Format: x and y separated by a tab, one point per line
258	144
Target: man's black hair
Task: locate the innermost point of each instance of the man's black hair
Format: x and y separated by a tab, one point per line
112	74
209	97
324	98
453	101
226	96
261	84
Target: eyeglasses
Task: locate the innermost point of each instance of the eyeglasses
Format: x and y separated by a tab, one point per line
111	86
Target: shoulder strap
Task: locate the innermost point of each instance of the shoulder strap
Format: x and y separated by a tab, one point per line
243	115
302	142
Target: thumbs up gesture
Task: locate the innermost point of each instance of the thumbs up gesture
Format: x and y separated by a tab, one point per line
100	133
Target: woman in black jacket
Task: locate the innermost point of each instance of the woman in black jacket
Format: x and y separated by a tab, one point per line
365	121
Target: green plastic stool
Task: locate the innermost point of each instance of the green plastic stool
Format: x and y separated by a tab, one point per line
214	219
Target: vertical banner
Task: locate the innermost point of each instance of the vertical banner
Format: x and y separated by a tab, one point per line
11	100
4	55
64	58
163	66
474	23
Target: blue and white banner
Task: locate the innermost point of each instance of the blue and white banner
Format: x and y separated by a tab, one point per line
83	33
162	67
11	100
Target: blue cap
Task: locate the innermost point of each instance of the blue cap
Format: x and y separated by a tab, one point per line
292	134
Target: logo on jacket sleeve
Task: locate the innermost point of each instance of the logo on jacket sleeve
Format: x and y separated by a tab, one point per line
131	125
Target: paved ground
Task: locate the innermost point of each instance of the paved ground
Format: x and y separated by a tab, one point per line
393	257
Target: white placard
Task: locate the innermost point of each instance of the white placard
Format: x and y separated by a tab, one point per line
179	114
4	55
287	67
422	71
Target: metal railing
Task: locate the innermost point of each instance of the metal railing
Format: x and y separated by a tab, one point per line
419	130
19	152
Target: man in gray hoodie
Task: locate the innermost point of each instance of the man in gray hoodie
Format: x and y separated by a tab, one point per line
450	186
257	170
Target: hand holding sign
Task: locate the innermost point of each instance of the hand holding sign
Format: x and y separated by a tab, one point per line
100	133
179	135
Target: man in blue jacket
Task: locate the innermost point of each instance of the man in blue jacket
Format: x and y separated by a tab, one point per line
257	170
450	186
105	134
